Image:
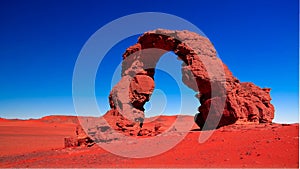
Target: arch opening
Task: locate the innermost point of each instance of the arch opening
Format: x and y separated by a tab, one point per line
170	96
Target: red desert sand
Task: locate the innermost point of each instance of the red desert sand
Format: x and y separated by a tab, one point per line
40	143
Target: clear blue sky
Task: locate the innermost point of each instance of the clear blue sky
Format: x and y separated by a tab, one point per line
40	42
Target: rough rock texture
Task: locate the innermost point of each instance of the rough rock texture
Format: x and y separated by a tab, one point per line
99	129
224	100
132	128
81	139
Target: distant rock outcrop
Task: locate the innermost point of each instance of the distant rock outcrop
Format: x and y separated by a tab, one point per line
60	119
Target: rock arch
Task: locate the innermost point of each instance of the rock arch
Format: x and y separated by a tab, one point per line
219	92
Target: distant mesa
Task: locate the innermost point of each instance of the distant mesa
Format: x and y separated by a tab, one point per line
3	119
60	119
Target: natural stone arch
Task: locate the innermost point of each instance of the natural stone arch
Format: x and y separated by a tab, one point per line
222	95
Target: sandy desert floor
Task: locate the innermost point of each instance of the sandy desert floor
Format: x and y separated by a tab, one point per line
40	143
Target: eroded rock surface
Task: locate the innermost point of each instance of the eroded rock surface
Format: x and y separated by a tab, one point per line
224	99
81	139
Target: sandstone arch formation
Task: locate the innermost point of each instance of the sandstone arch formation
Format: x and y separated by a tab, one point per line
218	91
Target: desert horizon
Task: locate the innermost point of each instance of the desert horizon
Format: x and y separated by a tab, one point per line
76	116
40	142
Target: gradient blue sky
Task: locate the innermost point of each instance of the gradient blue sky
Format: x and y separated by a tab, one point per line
40	42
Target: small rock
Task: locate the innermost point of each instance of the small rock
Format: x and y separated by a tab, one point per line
277	138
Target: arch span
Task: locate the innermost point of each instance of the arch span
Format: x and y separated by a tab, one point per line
224	100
